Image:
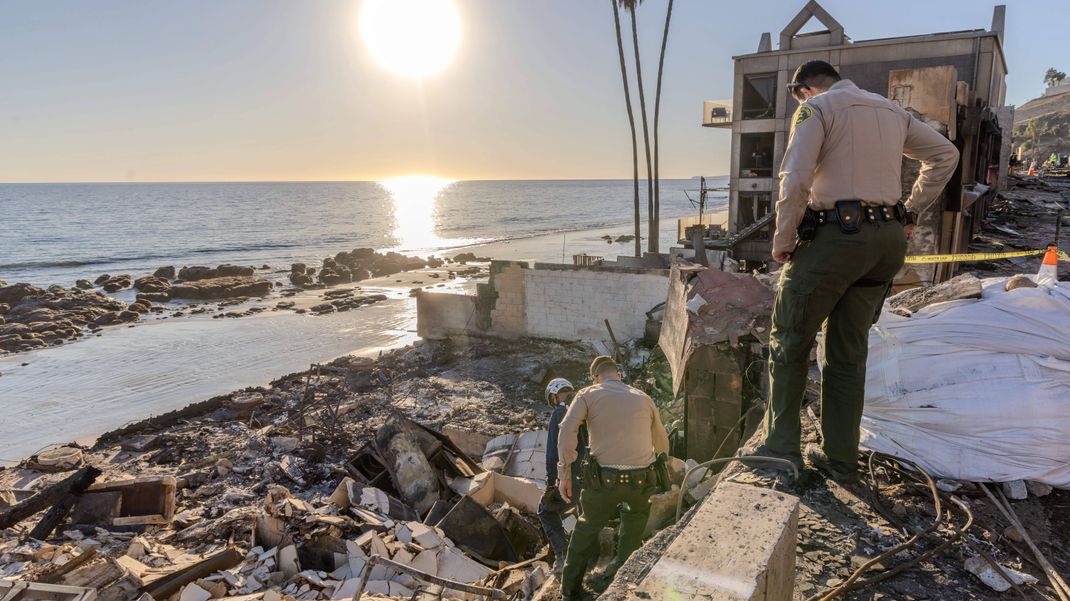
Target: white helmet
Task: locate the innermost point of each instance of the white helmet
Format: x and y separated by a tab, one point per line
555	386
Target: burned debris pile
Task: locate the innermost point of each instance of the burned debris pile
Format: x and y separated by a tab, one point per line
329	484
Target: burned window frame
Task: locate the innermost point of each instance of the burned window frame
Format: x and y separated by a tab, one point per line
752	205
767	108
747	150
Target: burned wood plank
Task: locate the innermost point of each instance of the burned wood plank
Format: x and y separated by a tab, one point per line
964	286
78	481
58	572
172	583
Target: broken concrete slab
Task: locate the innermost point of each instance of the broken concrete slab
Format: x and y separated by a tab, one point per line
739	545
662	510
987	574
427	562
288	563
455	565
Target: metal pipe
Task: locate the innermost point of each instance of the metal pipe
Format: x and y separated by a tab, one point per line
687	474
1057	583
493	593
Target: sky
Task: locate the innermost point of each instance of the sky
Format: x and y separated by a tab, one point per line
265	90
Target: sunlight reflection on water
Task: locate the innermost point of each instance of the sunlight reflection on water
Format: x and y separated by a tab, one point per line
416	210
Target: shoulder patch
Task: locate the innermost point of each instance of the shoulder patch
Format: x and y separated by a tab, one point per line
802	114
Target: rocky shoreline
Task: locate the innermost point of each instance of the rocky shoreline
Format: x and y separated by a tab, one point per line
33	318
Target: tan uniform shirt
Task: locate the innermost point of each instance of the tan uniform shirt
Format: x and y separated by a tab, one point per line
623	427
848	144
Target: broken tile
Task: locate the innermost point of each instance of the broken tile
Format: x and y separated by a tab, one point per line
192	592
455	565
288	561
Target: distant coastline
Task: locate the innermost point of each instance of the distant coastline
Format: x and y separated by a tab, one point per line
127	374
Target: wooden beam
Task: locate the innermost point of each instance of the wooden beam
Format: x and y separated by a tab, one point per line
78	481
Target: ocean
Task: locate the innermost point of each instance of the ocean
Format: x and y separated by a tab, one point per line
58	233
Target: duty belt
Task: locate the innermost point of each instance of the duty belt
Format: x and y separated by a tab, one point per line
638	478
858	211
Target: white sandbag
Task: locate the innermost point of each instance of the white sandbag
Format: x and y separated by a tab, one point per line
975	389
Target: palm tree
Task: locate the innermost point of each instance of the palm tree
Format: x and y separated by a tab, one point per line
657	115
631	122
652	226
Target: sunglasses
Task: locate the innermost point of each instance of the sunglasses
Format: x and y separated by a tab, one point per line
796	90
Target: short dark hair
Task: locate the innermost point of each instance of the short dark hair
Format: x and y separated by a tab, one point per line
816	74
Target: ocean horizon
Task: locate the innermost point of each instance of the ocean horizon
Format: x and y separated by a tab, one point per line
57	233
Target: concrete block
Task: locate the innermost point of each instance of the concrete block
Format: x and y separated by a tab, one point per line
1016	490
740	545
1038	489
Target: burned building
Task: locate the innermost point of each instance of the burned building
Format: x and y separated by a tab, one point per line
955	81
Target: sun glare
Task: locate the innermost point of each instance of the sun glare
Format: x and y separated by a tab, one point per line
411	38
415	199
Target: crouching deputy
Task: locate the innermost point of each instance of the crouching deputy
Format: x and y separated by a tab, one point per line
626	437
552	508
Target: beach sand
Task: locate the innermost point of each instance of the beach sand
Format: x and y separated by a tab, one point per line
76	391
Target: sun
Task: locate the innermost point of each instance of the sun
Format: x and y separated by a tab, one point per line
411	38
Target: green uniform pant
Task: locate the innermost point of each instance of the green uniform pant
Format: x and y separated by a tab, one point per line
838	282
598	506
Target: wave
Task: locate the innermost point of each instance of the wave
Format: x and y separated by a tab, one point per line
713	206
143	258
47	264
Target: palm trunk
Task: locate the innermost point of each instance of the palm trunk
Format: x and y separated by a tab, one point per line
631	122
657	115
652	222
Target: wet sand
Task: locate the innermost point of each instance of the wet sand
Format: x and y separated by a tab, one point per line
76	391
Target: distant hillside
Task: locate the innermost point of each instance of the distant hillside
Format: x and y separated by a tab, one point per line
1051	118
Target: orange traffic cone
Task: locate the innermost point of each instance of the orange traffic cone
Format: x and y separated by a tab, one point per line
1049	268
1033	168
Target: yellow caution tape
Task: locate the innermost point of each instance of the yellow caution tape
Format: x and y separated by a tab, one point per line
976	257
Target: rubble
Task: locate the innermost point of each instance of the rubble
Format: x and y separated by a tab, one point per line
993	579
294	491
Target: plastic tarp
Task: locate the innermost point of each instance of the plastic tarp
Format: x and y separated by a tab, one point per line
975	390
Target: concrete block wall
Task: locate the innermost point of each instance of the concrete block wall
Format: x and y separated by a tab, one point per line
561	302
439	316
508	318
572	304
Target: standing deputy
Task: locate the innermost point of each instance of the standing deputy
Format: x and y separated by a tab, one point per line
842	232
625	436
